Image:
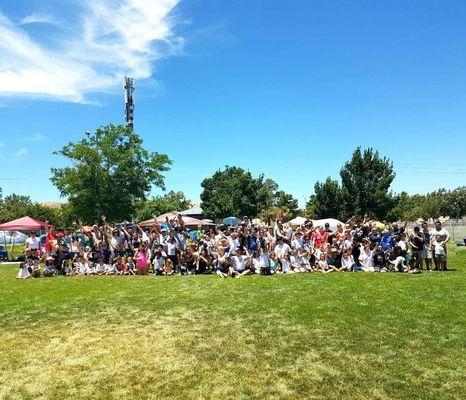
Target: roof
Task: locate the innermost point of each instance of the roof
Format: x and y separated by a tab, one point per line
23	224
192	211
188	221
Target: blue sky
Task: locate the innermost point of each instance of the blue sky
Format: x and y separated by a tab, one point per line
287	89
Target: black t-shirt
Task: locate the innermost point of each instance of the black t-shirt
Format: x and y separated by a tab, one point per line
334	260
361	232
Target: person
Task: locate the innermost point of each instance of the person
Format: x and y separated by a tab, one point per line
386	241
427	248
32	243
101	268
239	262
23	272
366	256
445	238
416	241
439	253
347	261
142	261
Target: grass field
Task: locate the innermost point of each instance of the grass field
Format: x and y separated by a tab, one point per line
336	336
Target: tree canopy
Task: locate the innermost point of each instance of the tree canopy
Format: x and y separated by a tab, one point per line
234	192
327	200
366	181
110	172
171	201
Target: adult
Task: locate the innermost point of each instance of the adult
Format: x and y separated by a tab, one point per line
444	237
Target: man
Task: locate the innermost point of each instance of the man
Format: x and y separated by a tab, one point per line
31	243
427	251
445	238
416	240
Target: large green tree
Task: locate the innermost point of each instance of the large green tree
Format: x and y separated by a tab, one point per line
366	181
327	200
234	192
110	172
171	201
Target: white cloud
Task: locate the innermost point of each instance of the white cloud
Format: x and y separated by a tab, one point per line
38	19
110	38
37	137
20	153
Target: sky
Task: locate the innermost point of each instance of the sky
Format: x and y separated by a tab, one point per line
284	89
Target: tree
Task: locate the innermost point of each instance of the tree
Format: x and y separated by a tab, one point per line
171	201
327	200
287	203
366	180
110	172
15	206
234	192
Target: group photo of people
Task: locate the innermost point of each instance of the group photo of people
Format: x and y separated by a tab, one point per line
234	251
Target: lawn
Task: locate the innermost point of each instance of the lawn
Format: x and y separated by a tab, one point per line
336	336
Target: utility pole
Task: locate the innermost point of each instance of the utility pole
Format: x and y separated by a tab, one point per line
129	102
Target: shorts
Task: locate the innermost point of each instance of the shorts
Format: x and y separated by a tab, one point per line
440	257
427	254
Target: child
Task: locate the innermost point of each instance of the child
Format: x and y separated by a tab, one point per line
168	268
322	264
110	268
35	269
23	271
90	270
439	253
101	268
347	261
158	263
129	266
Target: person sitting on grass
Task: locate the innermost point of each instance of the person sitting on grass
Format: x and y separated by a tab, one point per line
379	259
334	259
36	271
168	268
222	265
90	270
129	266
239	262
23	272
49	270
110	267
101	268
347	261
322	265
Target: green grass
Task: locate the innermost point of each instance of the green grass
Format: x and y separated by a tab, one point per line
336	336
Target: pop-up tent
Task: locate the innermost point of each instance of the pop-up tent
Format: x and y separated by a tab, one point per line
189	222
23	224
298	221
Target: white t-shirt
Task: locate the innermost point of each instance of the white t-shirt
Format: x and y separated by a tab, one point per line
238	262
32	243
444	234
171	248
233	244
282	249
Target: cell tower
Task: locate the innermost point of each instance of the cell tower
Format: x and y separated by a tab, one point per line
129	102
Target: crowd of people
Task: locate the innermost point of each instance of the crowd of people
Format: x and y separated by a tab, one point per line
171	248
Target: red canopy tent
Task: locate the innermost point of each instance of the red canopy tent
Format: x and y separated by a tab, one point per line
23	224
